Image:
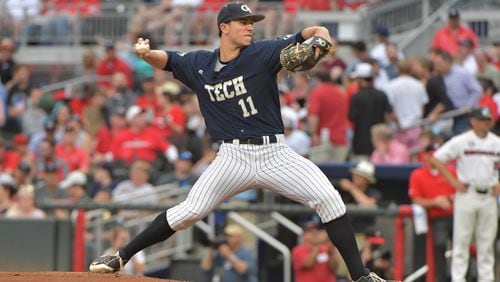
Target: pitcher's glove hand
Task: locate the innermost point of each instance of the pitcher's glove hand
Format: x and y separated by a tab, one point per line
303	56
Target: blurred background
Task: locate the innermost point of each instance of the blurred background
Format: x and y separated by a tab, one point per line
95	142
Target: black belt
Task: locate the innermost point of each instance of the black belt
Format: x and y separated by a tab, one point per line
254	141
481	191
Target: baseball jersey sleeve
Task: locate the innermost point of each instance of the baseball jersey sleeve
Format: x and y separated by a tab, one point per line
449	150
182	65
270	50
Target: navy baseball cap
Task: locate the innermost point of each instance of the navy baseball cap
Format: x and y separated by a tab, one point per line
382	31
453	12
237	11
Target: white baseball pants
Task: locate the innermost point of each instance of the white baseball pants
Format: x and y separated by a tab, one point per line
275	167
474	214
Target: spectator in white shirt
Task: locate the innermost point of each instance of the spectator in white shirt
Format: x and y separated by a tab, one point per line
379	51
465	56
296	138
407	96
21	11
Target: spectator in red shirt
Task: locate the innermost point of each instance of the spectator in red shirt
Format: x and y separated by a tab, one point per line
431	190
141	141
170	117
67	150
319	5
106	134
112	64
314	259
486	99
148	99
447	38
9	160
85	7
327	119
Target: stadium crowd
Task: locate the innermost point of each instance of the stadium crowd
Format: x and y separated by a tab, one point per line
140	128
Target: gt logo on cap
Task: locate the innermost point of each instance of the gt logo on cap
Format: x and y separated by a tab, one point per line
246	8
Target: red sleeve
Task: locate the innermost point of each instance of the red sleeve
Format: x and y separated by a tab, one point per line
299	255
141	102
116	145
161	142
178	116
101	68
435	40
11	161
104	140
123	67
414	189
314	103
84	161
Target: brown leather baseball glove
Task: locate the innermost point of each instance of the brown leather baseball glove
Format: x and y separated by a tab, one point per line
303	56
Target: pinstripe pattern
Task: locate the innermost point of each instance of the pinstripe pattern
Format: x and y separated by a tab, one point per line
276	167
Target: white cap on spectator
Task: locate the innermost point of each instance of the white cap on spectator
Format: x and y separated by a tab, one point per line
362	70
133	111
7	179
74	178
365	169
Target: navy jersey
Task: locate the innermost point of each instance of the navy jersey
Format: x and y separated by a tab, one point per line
241	100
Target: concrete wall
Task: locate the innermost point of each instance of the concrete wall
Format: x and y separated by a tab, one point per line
35	245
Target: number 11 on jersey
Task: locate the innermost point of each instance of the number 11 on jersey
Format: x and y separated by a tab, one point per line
244	108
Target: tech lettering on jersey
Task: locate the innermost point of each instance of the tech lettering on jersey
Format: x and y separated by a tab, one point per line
227	89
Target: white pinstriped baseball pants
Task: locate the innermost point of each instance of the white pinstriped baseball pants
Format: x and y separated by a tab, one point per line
275	167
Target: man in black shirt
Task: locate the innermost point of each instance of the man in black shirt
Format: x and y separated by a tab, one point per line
368	106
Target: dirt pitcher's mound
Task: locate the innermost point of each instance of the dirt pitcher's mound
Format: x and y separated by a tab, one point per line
73	276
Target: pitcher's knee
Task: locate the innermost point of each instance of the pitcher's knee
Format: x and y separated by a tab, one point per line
182	216
330	207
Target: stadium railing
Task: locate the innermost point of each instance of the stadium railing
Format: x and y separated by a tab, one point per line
287	209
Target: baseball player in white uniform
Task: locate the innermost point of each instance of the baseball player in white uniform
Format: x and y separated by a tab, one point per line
477	153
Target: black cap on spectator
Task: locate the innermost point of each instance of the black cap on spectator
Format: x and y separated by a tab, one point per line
148	78
106	166
236	11
24	167
481	113
453	12
431	147
359	46
120	111
49	167
109	44
382	31
311	225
